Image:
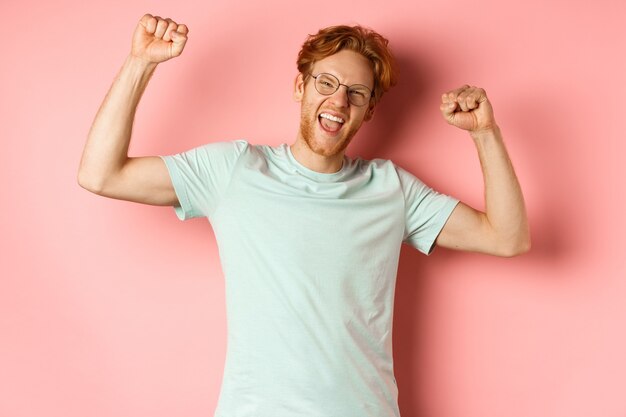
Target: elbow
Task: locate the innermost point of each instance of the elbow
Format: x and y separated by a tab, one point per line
88	183
519	247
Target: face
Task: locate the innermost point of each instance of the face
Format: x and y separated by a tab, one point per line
331	138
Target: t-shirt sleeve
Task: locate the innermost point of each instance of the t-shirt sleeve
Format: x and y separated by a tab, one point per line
200	176
426	212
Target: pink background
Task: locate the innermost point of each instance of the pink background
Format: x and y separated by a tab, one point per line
111	308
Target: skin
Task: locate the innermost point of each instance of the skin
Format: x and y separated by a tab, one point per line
105	167
503	228
315	148
107	170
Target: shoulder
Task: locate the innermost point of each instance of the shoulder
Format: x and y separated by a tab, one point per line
233	146
378	165
217	155
393	172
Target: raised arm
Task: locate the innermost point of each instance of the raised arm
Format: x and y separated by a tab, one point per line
503	229
105	167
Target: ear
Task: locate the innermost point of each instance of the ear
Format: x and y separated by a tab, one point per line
370	113
298	88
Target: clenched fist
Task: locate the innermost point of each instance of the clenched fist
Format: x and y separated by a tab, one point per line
468	108
156	39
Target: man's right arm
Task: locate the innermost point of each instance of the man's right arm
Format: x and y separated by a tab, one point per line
105	168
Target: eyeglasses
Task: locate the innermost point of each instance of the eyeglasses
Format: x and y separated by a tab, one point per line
326	84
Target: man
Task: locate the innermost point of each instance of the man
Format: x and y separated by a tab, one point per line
309	238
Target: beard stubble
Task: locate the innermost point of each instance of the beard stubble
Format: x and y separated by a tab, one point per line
307	130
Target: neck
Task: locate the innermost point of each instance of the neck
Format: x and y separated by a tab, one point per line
316	161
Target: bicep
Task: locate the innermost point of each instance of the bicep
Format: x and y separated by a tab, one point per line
467	229
142	180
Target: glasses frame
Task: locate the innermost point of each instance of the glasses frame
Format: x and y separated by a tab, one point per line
348	88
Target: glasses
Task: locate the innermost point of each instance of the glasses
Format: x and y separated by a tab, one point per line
326	84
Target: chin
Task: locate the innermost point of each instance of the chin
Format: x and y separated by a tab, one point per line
324	145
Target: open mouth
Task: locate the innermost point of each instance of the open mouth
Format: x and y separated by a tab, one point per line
329	123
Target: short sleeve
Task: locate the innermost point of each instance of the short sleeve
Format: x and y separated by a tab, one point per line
426	212
200	176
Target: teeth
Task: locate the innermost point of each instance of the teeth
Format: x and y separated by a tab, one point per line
331	117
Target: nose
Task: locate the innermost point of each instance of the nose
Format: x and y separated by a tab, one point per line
340	97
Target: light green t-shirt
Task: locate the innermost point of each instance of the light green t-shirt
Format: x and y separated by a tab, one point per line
310	263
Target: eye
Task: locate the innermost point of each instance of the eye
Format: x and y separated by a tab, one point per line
358	93
326	81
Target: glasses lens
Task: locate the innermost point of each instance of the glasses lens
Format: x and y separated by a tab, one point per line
359	95
326	84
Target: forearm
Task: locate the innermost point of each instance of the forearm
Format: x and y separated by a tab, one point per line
106	149
504	202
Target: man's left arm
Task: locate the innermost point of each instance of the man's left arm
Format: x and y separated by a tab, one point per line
503	228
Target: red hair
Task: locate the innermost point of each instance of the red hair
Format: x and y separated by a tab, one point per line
365	41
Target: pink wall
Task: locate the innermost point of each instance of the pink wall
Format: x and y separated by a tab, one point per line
110	308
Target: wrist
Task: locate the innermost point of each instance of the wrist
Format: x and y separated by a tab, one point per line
491	131
139	63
